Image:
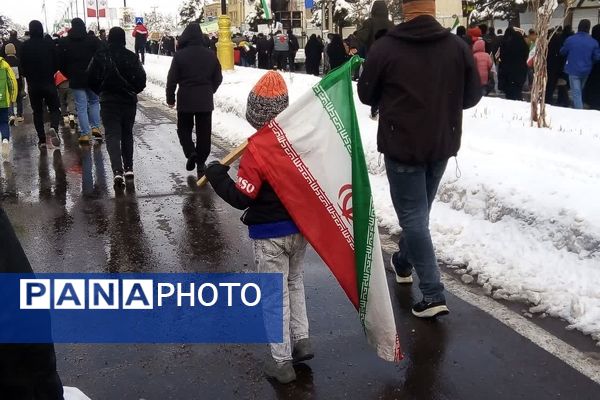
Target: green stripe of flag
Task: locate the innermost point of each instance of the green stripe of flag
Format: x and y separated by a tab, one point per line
266	9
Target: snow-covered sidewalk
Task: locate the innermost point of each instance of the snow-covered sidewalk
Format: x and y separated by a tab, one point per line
519	208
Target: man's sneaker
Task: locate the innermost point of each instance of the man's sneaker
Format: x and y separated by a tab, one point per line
283	372
11	121
119	181
129	174
426	309
54	139
400	278
191	163
302	351
96	133
72	121
20	119
84	139
5	148
66	120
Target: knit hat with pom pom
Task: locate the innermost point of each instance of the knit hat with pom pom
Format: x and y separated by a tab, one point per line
267	100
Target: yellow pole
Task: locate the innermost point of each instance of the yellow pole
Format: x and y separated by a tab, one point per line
225	45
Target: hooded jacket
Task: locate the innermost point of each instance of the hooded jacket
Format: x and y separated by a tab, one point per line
197	72
483	61
8	85
115	73
39	60
512	69
422	78
76	52
379	21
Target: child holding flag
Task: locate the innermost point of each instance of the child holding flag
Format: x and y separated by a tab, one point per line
278	244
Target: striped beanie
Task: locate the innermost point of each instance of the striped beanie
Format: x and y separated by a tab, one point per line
267	100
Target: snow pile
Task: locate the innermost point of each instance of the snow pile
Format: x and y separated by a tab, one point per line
518	209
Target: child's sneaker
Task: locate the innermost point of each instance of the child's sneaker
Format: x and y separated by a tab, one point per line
283	372
302	351
5	148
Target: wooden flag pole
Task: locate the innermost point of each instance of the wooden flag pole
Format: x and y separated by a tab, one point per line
227	160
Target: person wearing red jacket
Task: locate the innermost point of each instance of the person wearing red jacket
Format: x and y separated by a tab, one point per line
140	33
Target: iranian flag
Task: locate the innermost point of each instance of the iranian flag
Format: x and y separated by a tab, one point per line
312	156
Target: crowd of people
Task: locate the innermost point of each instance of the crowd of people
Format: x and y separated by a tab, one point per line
505	62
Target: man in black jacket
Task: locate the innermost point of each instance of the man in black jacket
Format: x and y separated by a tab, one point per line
27	371
421	77
117	75
197	71
75	53
15	41
39	63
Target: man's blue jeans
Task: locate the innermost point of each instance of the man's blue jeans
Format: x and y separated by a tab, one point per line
88	110
413	189
577	84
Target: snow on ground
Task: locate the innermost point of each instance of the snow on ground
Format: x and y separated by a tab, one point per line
519	209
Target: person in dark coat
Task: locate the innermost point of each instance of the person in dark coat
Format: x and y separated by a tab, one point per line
336	52
75	53
15	41
264	49
140	33
554	66
294	47
461	32
39	63
117	75
379	21
419	130
591	92
313	51
197	82
27	371
512	70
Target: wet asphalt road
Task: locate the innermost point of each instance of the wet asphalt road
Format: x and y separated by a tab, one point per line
70	220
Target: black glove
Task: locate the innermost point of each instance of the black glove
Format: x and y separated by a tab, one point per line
215	169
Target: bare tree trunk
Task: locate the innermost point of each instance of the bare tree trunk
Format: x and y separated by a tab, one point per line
544	10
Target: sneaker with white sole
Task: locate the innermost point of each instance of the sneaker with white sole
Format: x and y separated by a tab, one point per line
400	278
66	120
425	309
118	180
5	148
20	119
11	121
129	174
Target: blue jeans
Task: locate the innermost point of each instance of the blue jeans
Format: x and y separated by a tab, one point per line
88	109
413	189
577	84
4	127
